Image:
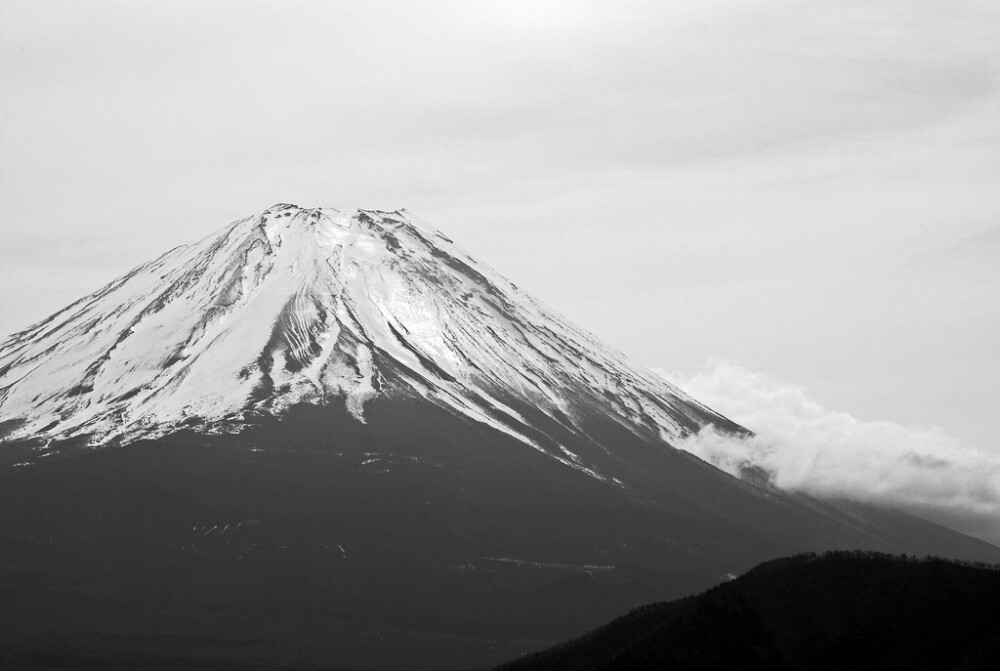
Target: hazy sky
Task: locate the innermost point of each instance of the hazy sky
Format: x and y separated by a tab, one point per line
809	190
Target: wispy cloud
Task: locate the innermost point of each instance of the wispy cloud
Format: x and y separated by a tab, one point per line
805	446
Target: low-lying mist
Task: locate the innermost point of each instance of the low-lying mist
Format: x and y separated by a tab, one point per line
806	447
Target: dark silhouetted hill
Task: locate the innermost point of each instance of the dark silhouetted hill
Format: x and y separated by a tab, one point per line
840	610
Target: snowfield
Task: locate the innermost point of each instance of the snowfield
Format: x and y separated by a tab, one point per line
315	306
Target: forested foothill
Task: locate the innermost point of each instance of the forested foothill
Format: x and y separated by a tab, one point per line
839	610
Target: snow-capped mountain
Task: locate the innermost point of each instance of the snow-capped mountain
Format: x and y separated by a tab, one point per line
336	441
315	306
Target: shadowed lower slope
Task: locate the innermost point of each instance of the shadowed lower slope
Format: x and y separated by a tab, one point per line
417	540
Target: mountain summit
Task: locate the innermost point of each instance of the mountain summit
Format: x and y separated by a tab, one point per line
314	306
337	441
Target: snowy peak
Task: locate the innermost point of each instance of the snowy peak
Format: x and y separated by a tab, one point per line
316	306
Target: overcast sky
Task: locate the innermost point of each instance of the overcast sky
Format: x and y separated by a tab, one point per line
808	190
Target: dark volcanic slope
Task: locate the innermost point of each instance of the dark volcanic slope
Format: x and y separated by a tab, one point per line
840	611
414	541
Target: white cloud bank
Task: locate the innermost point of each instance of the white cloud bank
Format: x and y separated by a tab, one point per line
809	448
